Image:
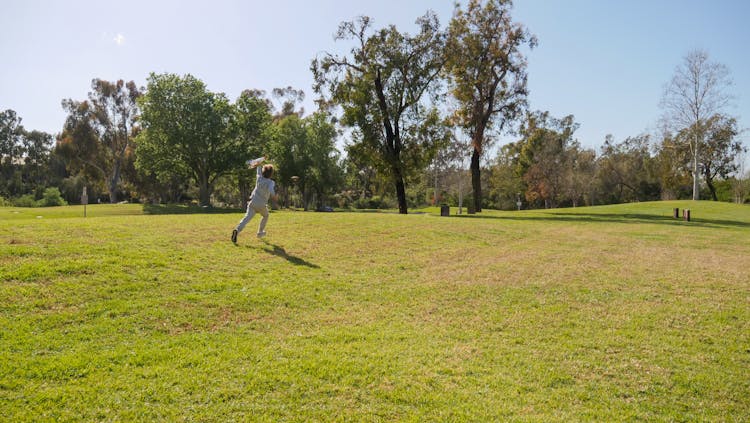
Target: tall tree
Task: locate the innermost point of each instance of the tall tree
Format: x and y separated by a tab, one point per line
37	146
381	86
697	91
109	116
253	120
188	132
720	150
11	148
487	70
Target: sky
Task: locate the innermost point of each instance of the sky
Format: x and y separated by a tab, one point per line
604	61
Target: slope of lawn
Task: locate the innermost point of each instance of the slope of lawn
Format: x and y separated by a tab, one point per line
600	314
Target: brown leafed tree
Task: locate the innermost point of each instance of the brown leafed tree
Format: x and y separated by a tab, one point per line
487	71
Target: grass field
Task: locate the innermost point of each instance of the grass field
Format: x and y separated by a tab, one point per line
616	313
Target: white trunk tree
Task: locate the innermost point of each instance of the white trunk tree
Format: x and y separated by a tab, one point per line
697	91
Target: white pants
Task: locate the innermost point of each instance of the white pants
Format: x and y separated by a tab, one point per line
251	210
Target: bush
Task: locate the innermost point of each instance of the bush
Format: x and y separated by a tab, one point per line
375	202
4	202
52	197
27	200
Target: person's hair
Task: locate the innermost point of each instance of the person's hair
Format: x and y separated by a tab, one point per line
267	171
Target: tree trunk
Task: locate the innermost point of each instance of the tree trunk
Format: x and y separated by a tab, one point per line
113	182
204	191
476	181
400	190
696	192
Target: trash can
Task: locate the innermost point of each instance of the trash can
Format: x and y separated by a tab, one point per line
445	210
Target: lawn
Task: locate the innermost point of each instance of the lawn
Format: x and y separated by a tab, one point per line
595	314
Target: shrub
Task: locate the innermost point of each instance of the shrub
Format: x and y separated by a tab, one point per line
375	202
27	200
52	197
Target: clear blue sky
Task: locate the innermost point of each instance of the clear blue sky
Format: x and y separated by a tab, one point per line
604	61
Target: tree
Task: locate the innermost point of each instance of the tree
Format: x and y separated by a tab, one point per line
252	122
381	87
545	156
580	175
79	146
720	150
697	91
305	152
188	131
672	167
37	146
11	148
626	170
488	74
324	173
105	125
506	185
289	98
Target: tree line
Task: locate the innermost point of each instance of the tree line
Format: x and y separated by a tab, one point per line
413	108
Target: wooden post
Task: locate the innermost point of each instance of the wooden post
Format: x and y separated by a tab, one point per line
84	200
677	213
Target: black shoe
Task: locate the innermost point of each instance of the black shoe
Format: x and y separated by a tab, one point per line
234	236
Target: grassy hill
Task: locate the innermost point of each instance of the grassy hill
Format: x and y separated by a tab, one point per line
602	313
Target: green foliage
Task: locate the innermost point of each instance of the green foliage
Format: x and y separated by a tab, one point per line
611	313
27	200
190	132
305	153
487	74
98	134
52	197
382	89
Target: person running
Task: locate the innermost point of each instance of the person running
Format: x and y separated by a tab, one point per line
265	189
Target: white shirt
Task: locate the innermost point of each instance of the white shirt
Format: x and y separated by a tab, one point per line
264	189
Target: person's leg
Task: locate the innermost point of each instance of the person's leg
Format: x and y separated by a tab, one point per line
262	227
248	215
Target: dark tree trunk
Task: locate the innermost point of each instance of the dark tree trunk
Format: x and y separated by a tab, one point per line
711	187
476	181
113	182
400	190
204	191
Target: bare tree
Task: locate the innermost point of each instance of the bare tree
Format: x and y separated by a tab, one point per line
697	91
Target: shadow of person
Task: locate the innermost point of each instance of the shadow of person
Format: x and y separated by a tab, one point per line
279	251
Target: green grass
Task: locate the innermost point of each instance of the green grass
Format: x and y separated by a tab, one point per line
596	314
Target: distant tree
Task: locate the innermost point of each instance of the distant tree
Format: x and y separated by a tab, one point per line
626	170
449	154
252	123
506	183
37	148
289	98
740	183
305	151
79	146
381	87
720	149
580	175
672	167
488	73
106	128
697	91
324	173
544	159
188	131
11	149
